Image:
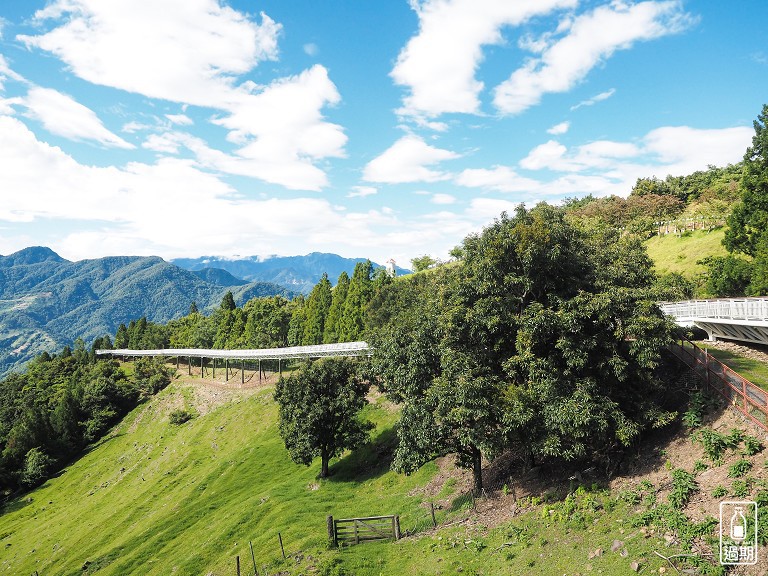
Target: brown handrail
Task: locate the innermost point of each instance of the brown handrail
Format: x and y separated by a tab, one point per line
746	392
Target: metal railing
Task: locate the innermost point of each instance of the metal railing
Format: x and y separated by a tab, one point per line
314	351
742	309
741	394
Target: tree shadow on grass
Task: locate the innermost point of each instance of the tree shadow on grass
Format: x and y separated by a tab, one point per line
371	460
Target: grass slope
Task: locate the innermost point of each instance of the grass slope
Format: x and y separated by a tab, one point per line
154	498
672	253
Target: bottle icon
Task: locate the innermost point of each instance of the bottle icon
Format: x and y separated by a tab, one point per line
738	525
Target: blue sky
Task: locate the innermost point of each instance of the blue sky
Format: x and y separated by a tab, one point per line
382	129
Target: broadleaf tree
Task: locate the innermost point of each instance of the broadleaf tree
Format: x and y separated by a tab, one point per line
544	339
319	411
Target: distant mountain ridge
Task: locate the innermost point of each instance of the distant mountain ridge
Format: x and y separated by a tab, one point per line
298	273
47	301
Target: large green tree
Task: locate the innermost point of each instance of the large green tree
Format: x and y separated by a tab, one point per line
543	339
317	307
352	322
319	411
332	327
748	223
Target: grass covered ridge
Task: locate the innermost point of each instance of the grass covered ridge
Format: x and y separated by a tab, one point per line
672	253
158	498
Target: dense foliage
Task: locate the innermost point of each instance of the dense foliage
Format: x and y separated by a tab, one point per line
747	232
61	404
319	407
543	340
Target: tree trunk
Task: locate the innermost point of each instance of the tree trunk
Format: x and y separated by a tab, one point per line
324	463
477	468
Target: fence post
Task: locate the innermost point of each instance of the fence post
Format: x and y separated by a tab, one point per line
253	559
280	537
432	512
397	527
331	530
238	565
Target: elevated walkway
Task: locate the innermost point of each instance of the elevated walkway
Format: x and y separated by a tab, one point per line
316	351
744	319
242	358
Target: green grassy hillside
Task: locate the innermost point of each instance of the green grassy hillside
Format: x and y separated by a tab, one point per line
672	253
154	498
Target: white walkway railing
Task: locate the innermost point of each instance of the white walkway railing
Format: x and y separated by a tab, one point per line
743	319
316	351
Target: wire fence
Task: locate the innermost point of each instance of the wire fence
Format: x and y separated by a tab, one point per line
749	399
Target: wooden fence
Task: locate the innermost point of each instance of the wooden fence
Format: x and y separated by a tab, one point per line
357	530
740	393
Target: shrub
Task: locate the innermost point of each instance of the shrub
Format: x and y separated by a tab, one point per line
752	446
739	468
37	466
178	417
683	486
719	492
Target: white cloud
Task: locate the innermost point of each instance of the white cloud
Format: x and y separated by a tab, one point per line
180	119
311	49
675	150
168	143
486	209
154	48
590	39
595	99
62	115
607	167
438	65
407	160
501	178
560	128
6	72
443	199
362	191
279	128
96	211
690	149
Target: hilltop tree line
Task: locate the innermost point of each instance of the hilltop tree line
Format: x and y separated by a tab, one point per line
326	315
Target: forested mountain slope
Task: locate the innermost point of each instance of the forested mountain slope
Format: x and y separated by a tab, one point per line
299	273
47	302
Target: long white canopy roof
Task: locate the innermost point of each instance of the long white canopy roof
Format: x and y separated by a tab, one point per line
316	351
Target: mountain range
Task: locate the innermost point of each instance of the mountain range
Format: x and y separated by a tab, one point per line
47	302
298	273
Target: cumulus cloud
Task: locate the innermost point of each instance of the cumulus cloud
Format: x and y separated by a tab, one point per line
62	115
590	39
125	44
438	65
501	178
408	160
180	119
278	128
608	167
6	72
673	150
95	211
560	128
